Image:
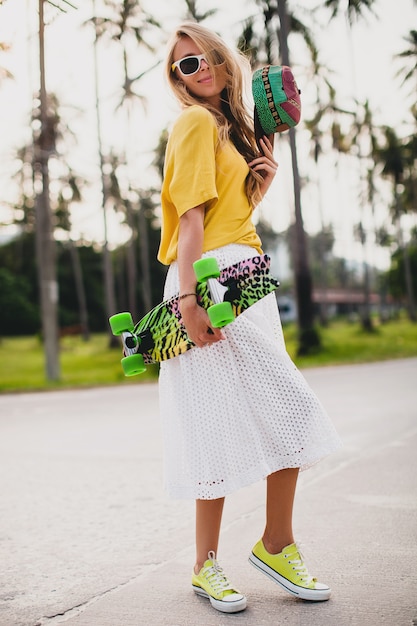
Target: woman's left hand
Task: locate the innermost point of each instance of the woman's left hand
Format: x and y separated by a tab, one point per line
265	164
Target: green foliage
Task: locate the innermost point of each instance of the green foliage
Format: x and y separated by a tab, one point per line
19	297
19	307
396	273
92	267
18	314
325	267
20	287
157	274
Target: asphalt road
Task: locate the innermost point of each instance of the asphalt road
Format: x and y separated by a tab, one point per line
88	537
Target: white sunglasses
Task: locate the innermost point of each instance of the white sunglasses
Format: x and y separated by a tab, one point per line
189	65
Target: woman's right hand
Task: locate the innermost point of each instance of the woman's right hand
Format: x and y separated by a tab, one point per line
197	324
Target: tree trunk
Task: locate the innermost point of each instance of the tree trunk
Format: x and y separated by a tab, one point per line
411	306
366	315
324	309
366	319
108	273
132	277
110	298
308	338
144	257
80	290
322	248
45	243
409	283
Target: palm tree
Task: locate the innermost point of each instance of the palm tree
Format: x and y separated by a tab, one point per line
308	337
323	109
4	72
410	170
394	156
194	14
108	274
398	158
128	22
408	73
278	24
44	145
70	192
364	145
66	189
353	9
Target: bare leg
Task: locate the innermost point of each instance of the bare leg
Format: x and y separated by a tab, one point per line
279	506
208	520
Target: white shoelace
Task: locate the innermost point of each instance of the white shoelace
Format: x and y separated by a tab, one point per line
215	576
301	569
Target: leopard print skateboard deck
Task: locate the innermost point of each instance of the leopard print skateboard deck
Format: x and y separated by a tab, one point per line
161	335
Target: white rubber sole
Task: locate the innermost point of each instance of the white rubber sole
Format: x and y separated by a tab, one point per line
225	606
313	595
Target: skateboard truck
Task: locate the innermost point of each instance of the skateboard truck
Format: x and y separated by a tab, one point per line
221	312
142	342
130	341
122	325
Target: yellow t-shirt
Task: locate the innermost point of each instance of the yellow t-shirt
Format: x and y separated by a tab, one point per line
198	172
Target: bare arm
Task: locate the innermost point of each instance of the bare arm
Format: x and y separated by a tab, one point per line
190	247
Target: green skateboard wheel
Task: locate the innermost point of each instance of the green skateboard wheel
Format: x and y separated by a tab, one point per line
133	364
120	323
221	314
206	268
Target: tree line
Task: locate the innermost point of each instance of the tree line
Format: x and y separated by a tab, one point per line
84	314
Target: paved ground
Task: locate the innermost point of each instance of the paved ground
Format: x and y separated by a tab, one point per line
88	537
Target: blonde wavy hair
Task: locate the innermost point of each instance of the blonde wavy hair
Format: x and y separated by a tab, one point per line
233	121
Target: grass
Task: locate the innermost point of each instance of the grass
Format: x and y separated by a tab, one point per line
86	364
344	343
83	364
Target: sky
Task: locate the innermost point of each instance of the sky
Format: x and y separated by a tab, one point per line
360	59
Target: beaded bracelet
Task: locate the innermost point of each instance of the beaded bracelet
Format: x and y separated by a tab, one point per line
185	295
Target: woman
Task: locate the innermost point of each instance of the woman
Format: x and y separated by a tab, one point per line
234	409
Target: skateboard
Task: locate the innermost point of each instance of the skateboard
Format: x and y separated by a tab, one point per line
225	294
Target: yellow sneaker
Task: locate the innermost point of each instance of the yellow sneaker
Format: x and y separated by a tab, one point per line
288	570
212	583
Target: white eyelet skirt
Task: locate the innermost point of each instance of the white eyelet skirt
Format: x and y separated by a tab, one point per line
236	411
